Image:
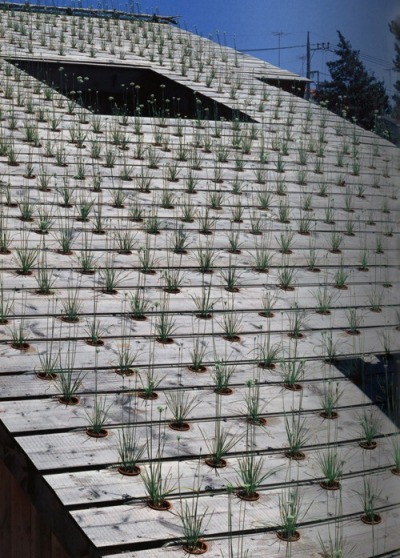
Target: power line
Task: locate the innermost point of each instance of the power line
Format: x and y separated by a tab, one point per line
271	48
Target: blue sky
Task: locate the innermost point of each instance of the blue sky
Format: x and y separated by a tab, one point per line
257	23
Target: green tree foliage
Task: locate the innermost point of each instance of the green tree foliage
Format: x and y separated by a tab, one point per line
352	90
394	27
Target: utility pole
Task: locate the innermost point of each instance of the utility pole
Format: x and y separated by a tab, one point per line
322	46
308	66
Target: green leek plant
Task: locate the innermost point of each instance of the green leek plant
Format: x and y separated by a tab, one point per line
329	399
222	374
157	483
369	497
251	476
219	445
289	511
18	333
130	450
193	520
297	435
97	417
69	379
180	404
331	464
369	425
6	305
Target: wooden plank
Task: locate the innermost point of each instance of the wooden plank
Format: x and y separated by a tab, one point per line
76	449
49	414
83	488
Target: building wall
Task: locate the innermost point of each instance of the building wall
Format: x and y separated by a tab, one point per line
23	532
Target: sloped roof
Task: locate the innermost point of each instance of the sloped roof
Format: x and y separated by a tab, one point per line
294	179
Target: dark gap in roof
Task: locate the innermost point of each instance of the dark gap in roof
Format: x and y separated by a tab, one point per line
107	89
295	86
380	381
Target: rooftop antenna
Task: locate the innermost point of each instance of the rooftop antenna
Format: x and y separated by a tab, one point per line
279	34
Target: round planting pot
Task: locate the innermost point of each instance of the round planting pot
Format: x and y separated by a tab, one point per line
198	369
266	314
283	536
295	455
138	318
232	338
295	335
199	548
368	445
65	253
333	485
203	316
149	396
266	366
43	376
395	471
216	464
128	372
293	387
163	505
180	426
74	400
371	520
98	343
129	471
248	497
224	391
20	346
102	433
330	416
260	421
165	341
69	320
286	288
